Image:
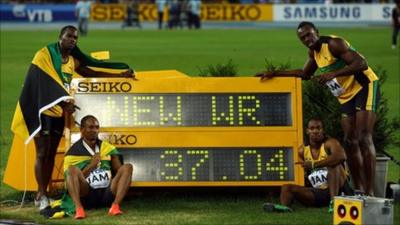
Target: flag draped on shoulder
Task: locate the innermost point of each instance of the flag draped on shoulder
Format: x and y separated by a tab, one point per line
78	156
45	86
89	61
43	89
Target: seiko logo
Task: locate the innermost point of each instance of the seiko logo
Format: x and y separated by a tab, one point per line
122	139
104	87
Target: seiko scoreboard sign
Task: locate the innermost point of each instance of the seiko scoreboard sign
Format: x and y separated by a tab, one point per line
185	131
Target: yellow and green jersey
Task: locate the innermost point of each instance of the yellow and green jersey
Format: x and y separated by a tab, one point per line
67	71
343	87
323	154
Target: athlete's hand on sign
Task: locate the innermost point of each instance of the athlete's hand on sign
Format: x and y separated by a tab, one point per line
266	75
68	107
323	78
129	74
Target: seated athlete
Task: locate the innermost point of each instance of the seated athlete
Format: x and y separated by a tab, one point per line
88	164
323	161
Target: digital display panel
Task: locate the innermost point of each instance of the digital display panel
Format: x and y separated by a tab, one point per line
210	164
195	131
181	131
186	110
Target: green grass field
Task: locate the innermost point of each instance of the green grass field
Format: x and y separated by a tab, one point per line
187	51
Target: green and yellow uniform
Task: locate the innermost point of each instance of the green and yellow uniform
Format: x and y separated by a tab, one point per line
319	177
346	88
67	69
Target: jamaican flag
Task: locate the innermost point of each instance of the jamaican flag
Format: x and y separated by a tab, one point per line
78	156
44	87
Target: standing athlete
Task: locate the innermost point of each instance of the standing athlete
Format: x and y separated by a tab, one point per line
355	85
45	100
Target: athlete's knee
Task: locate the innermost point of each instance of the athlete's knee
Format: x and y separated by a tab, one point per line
44	155
289	188
366	139
127	168
350	143
73	171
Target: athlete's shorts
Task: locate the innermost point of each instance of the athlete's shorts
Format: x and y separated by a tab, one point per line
98	198
323	198
366	99
51	125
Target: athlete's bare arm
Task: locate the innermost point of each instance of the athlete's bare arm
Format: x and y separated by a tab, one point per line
308	70
336	154
353	60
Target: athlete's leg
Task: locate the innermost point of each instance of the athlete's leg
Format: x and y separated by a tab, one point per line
80	26
42	145
160	20
394	36
365	122
121	182
289	192
76	185
85	26
353	153
49	166
336	179
46	149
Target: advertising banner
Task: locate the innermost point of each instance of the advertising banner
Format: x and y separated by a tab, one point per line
332	12
108	12
37	13
236	12
209	12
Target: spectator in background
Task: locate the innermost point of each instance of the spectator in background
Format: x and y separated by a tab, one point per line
161	4
194	8
174	14
132	14
395	23
82	12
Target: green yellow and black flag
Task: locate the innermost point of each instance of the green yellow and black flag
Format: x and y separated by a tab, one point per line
44	87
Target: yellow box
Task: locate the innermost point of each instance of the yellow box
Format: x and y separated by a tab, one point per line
361	210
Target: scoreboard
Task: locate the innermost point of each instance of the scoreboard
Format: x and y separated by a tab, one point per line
178	130
190	110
